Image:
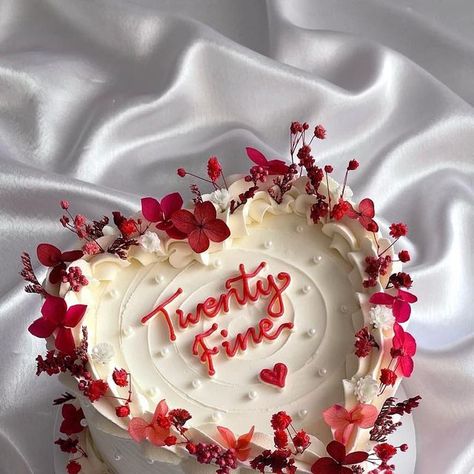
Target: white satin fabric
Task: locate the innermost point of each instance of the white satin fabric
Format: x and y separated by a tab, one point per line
101	101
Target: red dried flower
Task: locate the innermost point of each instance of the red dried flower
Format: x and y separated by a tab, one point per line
181	172
328	169
170	440
73	467
400	304
401	280
320	132
67	445
388	377
122	411
353	165
404	448
301	440
97	389
202	227
214	168
120	377
340	209
385	451
51	256
239	445
281	420
364	343
179	417
280	439
296	127
128	227
404	256
277	461
72	418
403	349
398	230
91	248
64	204
57	316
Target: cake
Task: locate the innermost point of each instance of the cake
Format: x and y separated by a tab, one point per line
259	328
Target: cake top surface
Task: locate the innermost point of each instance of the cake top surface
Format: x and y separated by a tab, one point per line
274	297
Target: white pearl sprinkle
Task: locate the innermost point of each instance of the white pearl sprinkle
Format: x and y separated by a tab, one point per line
196	383
165	351
306	289
216	416
322	372
117	456
83	422
252	394
343	308
311	332
299	229
150	461
113	293
303	413
159	279
268	244
152	392
127	331
317	258
217	263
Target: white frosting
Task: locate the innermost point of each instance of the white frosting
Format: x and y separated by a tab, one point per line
325	301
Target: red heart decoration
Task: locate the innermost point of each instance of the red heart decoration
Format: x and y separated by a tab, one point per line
275	376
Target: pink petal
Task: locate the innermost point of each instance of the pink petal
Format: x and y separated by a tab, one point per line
228	437
42	327
65	341
369	224
406	365
406	296
382	298
337	417
344	435
184	221
160	410
366	207
244	440
217	230
171	203
174	233
409	344
54	308
401	310
48	255
352	213
243	454
157	435
137	429
364	415
74	315
151	209
205	212
71	255
257	157
399	337
198	241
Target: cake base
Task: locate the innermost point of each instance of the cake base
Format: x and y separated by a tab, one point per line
405	462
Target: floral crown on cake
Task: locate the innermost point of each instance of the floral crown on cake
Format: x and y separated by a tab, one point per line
165	220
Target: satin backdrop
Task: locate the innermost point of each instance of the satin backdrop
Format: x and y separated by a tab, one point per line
101	101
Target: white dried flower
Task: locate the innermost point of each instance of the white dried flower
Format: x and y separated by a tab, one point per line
220	198
150	241
382	317
365	388
103	353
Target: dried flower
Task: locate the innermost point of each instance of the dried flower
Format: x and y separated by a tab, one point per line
120	377
214	169
398	230
320	132
91	248
281	420
404	256
364	343
181	172
353	165
365	388
64	204
122	411
388	377
382	317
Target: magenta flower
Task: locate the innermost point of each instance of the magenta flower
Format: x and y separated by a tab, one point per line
403	349
400	303
57	317
339	460
365	215
160	212
272	166
51	256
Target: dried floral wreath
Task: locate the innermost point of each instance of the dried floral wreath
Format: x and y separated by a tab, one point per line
199	227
